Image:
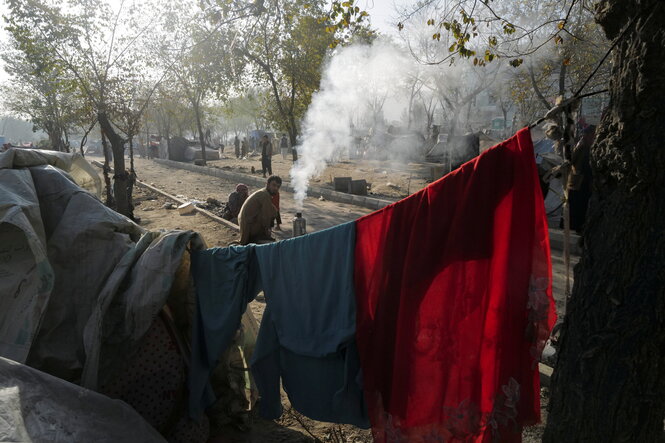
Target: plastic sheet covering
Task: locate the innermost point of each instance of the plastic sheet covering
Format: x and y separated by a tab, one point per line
84	282
37	407
85	242
132	297
26	277
78	168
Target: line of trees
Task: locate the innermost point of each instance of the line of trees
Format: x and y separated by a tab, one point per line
178	67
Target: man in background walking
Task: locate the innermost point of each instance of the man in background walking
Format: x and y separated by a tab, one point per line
266	155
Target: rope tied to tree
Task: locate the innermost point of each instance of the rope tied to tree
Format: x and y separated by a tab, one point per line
578	95
565	139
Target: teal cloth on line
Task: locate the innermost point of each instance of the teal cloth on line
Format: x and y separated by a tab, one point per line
226	280
307	334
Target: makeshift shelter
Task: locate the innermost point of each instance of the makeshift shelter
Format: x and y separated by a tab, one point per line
455	151
35	406
193	153
182	150
91	298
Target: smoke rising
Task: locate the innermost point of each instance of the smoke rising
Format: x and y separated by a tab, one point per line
366	89
358	83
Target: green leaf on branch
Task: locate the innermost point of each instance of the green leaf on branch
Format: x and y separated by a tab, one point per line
516	62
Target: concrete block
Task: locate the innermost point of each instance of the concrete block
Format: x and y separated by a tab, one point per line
337	196
314	192
343	198
327	193
358	187
341	184
359	200
373	203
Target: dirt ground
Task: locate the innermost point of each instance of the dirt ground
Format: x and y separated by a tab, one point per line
320	214
149	208
388	179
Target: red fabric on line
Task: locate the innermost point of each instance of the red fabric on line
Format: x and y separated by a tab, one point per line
454	303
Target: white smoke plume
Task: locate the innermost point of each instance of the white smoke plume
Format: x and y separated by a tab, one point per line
355	76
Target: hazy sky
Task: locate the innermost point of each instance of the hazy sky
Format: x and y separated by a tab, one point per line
382	13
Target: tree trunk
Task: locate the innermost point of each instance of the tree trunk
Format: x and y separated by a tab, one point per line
410	107
293	137
66	141
120	176
454	123
504	111
199	128
541	98
131	153
110	201
85	137
132	177
55	138
562	78
430	119
53	141
609	381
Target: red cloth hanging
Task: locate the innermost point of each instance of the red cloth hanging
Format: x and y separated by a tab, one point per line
454	303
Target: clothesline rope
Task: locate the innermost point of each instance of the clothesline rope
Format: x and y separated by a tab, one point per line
555	110
565	107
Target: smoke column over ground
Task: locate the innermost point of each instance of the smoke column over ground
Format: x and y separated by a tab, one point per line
354	77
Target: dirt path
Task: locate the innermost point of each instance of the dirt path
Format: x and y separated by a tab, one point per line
319	214
388	179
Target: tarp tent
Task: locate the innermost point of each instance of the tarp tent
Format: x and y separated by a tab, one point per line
25	270
176	148
35	406
455	151
84	287
182	150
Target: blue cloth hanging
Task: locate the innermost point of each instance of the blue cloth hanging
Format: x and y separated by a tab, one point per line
226	280
307	334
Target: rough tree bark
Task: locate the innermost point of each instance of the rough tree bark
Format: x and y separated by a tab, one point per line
110	202
84	139
562	78
132	177
609	382
534	83
199	128
120	176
